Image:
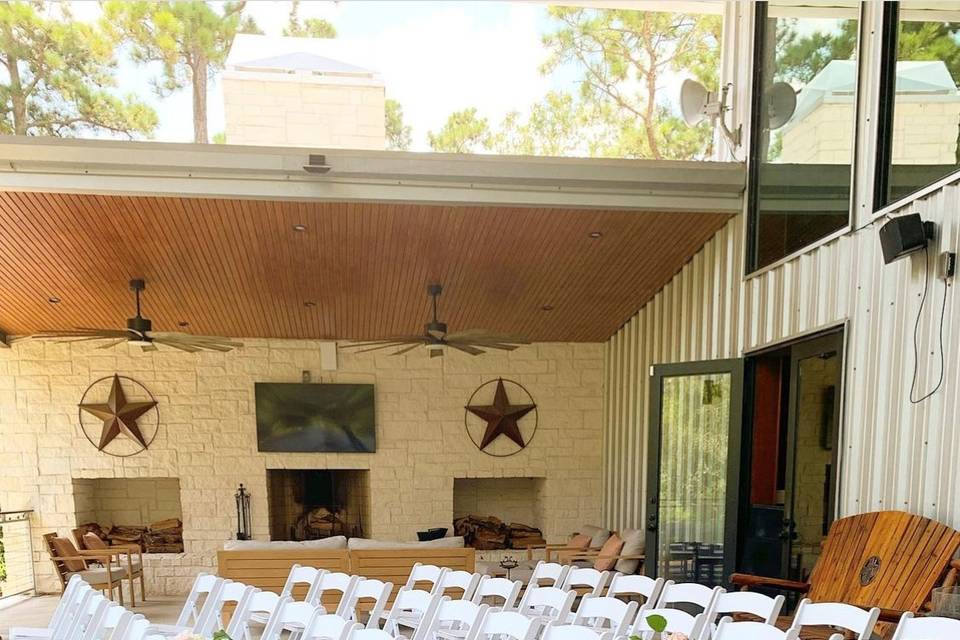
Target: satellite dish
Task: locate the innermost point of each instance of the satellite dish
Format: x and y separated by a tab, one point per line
694	98
781	104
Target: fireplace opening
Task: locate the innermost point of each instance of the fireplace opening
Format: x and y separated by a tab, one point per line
142	511
311	504
498	513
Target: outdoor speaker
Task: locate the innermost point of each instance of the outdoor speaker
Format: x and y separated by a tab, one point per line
903	235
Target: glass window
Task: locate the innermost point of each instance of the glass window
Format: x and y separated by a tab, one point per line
803	126
922	115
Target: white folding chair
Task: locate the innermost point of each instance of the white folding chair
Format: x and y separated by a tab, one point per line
453	619
756	604
371	634
585	577
102	622
329	626
211	618
122	626
289	614
552	572
137	629
689	593
261	604
729	630
555	631
463	580
932	628
191	617
89	620
548	604
426	573
506	624
72	592
369	589
506	590
605	613
411	608
837	615
299	575
678	621
636	585
342	583
205	585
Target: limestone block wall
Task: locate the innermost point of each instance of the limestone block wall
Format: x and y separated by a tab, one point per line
126	501
207	436
510	499
271	109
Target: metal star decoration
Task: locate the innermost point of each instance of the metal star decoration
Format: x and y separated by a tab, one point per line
119	416
501	417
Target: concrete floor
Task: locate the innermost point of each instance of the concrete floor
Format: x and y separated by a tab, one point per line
36	611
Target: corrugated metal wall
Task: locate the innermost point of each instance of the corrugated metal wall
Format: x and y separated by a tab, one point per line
895	455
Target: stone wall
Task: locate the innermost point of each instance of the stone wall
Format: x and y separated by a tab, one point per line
126	501
298	110
207	437
510	499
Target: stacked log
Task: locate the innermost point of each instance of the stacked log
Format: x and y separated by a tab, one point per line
164	536
126	534
93	527
489	532
319	523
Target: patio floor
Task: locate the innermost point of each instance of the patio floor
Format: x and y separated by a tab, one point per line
36	612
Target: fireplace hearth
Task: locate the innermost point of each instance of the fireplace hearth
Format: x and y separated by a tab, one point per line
311	504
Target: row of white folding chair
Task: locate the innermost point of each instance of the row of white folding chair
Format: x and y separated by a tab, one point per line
66	608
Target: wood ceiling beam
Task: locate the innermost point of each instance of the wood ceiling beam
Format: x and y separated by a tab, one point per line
271	173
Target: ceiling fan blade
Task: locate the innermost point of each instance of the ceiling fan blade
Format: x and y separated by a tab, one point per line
112	343
459	346
178	345
83	333
405	349
384	341
479	335
488	345
387	345
194	339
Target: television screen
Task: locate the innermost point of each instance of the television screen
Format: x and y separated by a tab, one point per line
315	417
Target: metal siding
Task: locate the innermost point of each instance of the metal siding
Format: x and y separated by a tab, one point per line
894	455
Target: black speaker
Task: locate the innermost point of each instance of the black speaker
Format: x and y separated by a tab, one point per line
903	235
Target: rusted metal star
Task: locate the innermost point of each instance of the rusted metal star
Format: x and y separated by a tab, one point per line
501	417
119	415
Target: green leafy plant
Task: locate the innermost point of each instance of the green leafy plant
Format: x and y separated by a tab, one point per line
656	622
221	635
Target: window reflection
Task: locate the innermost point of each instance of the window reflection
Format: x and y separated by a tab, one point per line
926	104
802	144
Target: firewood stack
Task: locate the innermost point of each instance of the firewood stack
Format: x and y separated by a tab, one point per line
490	532
120	534
319	523
164	536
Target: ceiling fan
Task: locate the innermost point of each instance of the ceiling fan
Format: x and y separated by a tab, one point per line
139	332
435	337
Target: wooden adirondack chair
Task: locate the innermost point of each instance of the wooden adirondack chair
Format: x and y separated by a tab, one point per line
886	559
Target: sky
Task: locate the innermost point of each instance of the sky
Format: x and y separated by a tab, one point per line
435	57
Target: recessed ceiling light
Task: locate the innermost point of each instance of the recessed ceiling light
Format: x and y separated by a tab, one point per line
183	323
547	307
596	234
53	300
309	304
299	227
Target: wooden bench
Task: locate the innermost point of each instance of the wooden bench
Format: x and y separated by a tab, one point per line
886	559
268	568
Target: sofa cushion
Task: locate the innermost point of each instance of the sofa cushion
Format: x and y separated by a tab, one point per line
333	542
634	541
366	543
580	541
605	559
597	535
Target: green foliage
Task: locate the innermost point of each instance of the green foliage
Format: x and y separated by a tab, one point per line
555	127
3	561
220	137
623	55
249	25
220	635
189	38
309	28
463	132
399	135
657	623
60	76
799	59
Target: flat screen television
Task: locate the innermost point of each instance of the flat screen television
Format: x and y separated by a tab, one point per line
315	417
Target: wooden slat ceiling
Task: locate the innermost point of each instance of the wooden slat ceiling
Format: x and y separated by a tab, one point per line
237	267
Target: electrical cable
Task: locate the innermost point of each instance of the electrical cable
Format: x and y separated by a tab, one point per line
916	331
